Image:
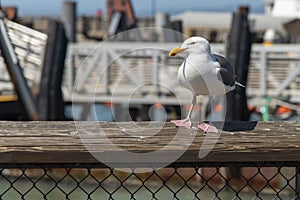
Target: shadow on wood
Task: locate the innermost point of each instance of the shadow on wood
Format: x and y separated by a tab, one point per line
235	126
239	126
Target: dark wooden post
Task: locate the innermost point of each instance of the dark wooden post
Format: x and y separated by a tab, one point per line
238	52
69	19
50	101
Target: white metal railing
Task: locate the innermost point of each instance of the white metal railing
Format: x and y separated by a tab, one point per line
279	70
100	71
142	70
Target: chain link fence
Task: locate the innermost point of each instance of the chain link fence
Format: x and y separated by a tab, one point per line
178	181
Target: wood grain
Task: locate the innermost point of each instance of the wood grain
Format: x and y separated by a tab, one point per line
72	142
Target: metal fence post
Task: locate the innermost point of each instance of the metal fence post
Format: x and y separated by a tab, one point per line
155	72
70	69
263	73
105	71
297	183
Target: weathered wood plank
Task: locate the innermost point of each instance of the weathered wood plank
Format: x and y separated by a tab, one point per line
70	142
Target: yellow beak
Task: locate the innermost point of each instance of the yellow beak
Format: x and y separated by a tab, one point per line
176	51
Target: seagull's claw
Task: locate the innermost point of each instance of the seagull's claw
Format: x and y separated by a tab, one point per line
183	122
208	128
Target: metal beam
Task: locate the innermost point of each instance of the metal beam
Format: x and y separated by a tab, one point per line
16	72
263	73
89	66
297	180
122	64
288	81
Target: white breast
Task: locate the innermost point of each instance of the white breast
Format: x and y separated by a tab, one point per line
201	80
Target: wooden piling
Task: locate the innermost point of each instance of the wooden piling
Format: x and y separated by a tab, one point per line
69	18
50	100
238	52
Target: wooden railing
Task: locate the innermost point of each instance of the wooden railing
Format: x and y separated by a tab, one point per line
64	142
268	153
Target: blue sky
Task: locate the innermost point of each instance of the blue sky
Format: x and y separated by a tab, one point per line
141	7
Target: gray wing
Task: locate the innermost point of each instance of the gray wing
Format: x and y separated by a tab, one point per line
226	72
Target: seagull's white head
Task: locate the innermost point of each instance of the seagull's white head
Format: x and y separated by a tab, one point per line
191	45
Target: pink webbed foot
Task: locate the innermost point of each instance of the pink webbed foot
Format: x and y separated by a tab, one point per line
208	128
184	122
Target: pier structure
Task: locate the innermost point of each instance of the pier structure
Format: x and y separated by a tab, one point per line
142	72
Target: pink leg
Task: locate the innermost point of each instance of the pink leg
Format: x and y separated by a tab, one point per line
183	122
209	127
187	121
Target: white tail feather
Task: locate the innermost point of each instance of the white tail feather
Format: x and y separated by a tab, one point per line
239	84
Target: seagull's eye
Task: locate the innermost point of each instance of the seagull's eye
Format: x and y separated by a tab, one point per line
192	43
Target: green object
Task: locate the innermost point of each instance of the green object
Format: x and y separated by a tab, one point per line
265	114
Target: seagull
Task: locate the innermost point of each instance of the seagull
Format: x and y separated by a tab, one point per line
203	73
